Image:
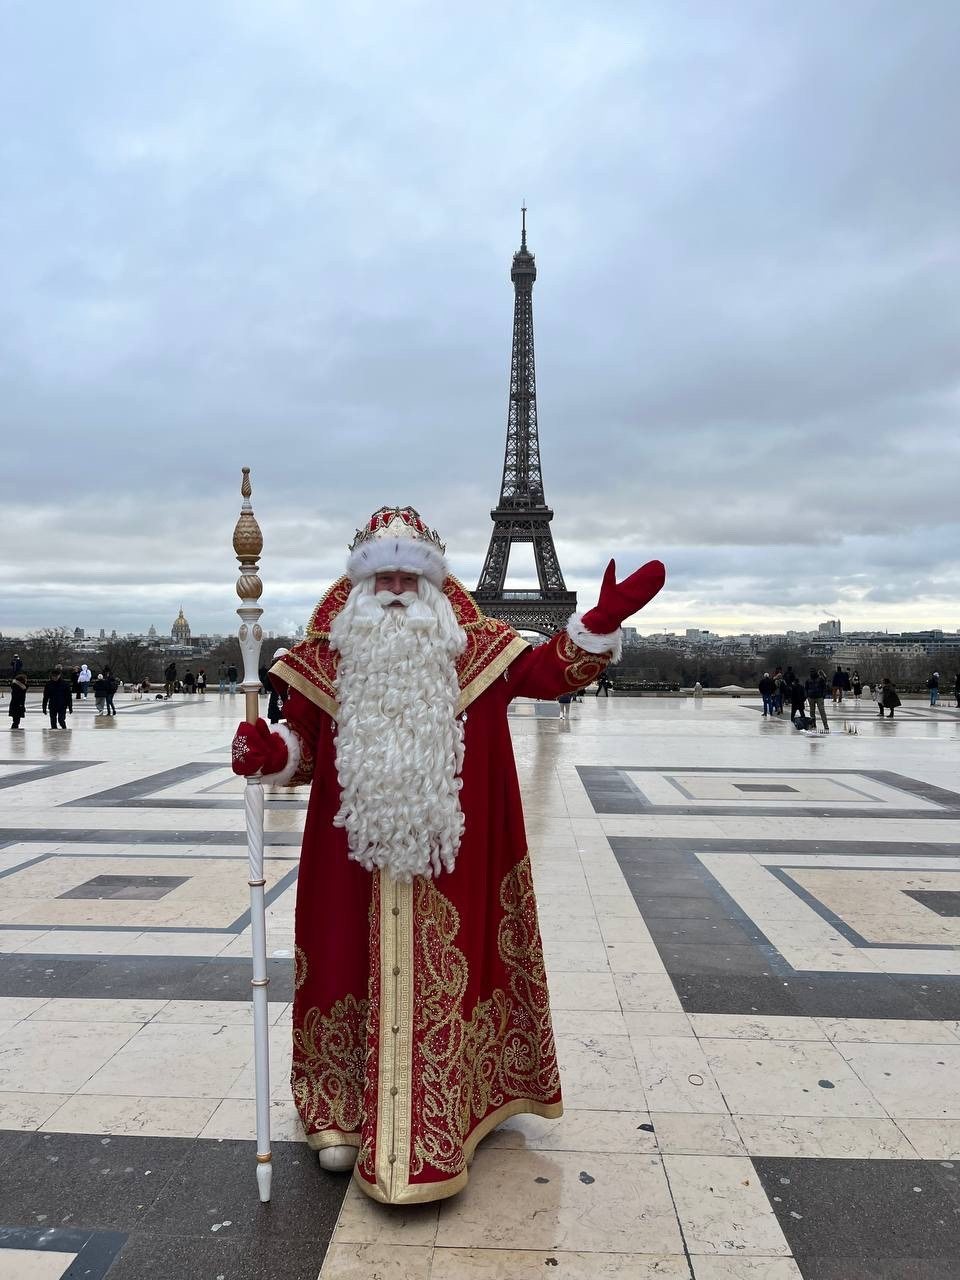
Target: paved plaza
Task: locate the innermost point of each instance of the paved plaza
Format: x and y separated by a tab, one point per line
753	944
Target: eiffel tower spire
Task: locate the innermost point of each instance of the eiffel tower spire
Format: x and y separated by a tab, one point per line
522	514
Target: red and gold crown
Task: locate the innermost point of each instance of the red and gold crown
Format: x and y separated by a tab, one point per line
397	538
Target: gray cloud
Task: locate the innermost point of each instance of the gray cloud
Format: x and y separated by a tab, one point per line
280	235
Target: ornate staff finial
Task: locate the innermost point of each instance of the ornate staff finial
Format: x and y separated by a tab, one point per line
247	546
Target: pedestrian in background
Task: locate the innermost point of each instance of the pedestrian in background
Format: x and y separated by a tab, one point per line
202	680
100	692
16	666
169	679
112	684
888	697
57	699
18	699
933	684
816	691
232	677
766	688
836	685
856	687
956	688
603	685
222	677
83	680
564	700
189	682
797	701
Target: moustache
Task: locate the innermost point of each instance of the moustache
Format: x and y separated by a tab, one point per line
378	609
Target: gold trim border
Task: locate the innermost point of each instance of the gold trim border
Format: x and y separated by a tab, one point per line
491	672
309	690
424	1192
332	1138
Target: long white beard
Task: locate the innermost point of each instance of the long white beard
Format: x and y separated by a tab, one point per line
399	743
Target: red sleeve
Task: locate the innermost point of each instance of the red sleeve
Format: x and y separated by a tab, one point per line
559	666
305	719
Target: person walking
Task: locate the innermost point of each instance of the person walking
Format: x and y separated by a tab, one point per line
888	697
202	680
856	687
564	700
189	682
83	680
75	682
169	679
232	677
767	688
222	677
18	699
100	692
112	684
603	685
933	684
836	685
57	699
816	691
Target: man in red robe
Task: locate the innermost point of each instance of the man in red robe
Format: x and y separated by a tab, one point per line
421	1017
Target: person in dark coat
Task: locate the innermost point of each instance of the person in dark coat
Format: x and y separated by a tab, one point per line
816	691
112	685
856	685
57	699
767	688
100	692
169	678
189	682
18	700
16	665
232	677
797	701
889	696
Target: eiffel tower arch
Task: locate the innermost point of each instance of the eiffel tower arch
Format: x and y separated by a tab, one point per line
522	514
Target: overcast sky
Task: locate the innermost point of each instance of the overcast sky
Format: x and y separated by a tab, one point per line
278	233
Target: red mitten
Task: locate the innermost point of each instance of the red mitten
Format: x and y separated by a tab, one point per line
257	750
618	600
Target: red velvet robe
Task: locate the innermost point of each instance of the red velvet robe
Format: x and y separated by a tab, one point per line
421	1018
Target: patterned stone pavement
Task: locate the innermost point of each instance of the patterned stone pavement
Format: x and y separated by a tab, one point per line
753	943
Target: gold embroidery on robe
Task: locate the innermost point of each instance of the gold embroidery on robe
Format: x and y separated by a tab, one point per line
328	1058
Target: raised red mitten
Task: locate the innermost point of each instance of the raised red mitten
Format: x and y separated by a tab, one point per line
618	600
257	750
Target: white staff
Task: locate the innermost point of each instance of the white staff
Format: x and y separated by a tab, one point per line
248	544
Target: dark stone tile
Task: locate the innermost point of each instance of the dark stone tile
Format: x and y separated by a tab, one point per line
721	932
941	901
735	993
11	1142
138	888
853	995
83	1180
863	1209
42	975
880	1269
95	1250
719	958
217	1183
688	907
151	1257
939	997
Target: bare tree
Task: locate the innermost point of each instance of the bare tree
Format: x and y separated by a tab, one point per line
127	657
49	647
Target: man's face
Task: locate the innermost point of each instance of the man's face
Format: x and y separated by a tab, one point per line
396	581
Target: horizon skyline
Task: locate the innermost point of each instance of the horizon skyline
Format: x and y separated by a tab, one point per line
234	234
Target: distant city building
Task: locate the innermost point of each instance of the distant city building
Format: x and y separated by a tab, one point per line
152	632
180	631
831	628
103	634
79	633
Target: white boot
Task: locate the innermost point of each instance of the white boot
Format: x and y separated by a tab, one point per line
337	1159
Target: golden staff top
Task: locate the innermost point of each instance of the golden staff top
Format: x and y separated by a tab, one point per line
247	545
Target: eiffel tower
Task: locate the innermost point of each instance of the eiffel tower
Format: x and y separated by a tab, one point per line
522	514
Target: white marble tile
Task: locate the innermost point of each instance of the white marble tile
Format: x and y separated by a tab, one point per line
788	1077
376	1262
574	956
888	1031
28	1110
910	1080
727	1268
651	992
583	991
14	1008
363	1221
281	1051
735	1026
634	957
147	1117
225	1013
691	1133
628	1132
588	1022
823	1137
66	1009
34	1264
58	1057
676	1075
175	1060
933	1139
576	1201
236	1118
722	1206
598	1073
646	1022
514	1264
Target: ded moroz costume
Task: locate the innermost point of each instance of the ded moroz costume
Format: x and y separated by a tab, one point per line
421	1014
